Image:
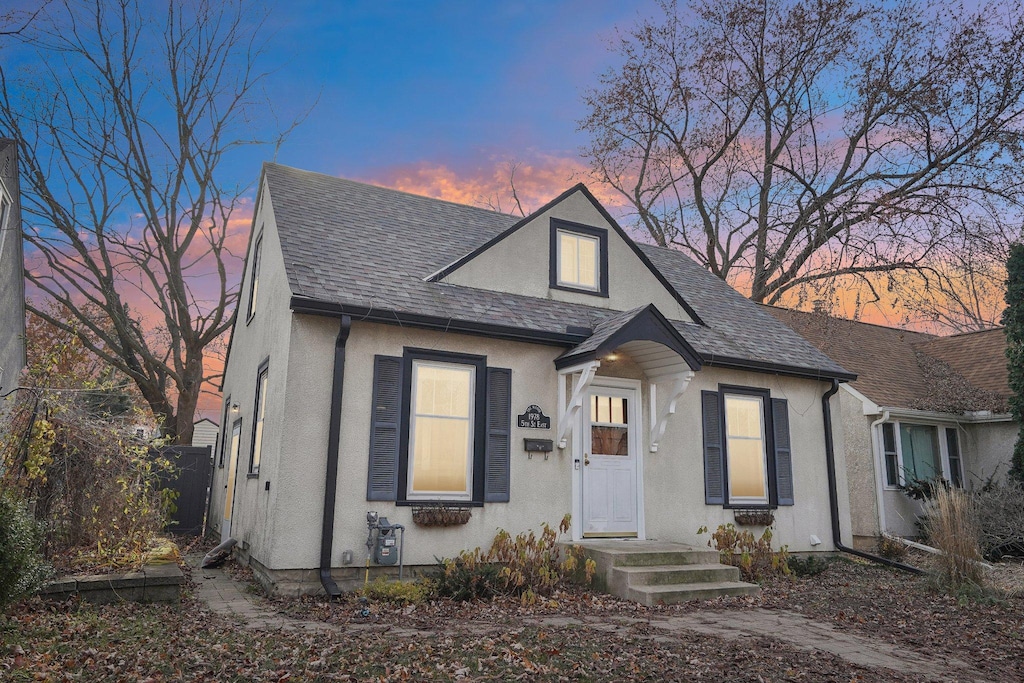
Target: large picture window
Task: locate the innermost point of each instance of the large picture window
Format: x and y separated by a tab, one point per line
920	445
441	434
746	449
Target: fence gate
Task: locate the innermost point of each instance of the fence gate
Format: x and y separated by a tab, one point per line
191	479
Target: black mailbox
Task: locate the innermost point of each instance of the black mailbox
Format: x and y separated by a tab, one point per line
538	445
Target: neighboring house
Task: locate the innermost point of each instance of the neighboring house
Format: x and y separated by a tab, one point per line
400	354
922	407
205	433
12	277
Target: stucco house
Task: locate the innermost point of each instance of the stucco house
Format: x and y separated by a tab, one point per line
400	354
12	279
922	406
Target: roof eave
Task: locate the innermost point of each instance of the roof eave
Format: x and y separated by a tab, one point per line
778	368
309	306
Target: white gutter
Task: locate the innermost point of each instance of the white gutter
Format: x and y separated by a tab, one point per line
879	463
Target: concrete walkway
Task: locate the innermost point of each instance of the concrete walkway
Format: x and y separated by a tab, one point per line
227	597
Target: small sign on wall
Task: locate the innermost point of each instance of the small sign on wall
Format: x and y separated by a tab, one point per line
534	418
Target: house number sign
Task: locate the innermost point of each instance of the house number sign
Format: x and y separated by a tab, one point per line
534	418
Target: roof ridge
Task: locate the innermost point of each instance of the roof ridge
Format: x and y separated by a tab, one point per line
970	332
385	188
857	322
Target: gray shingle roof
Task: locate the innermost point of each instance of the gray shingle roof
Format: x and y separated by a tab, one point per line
370	248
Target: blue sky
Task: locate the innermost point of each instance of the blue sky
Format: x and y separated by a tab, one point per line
456	83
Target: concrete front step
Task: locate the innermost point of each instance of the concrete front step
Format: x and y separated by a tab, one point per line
672	594
654	573
647	553
670	574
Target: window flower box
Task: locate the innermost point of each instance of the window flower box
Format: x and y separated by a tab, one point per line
754	517
440	515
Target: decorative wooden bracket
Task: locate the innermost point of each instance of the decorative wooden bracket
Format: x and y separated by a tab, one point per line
659	418
568	410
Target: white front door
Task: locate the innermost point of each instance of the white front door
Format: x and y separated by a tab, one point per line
611	486
229	493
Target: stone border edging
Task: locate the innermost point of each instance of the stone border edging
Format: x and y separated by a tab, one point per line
154	583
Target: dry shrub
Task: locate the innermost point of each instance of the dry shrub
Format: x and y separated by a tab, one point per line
891	548
953	528
1001	519
91	482
754	556
525	565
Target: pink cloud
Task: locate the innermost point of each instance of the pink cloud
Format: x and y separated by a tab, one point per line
539	177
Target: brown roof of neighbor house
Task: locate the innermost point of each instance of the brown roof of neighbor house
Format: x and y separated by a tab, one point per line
978	356
906	369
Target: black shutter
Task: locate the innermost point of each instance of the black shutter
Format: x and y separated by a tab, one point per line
498	453
783	453
382	480
714	470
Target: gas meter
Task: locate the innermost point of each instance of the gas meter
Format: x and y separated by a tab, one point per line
385	550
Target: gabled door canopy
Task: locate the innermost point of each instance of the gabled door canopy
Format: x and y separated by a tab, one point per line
658	348
640	324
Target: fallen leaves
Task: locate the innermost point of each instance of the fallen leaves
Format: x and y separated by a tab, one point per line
571	636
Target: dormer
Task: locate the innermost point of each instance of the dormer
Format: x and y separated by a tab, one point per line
570	250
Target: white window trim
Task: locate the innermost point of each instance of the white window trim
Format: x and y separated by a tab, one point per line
259	421
747	500
559	232
254	279
471	436
939	428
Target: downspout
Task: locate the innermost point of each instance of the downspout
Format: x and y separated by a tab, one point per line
333	446
879	467
833	495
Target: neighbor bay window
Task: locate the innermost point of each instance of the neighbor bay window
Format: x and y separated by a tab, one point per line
920	452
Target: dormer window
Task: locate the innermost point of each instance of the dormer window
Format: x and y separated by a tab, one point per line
579	258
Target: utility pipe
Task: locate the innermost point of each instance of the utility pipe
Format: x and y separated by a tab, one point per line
333	446
833	495
879	467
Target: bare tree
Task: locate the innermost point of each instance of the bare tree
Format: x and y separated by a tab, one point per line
123	127
782	143
962	286
493	201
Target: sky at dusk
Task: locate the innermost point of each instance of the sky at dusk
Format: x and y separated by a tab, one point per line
431	97
417	89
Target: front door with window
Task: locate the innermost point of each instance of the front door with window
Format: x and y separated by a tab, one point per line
610	489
